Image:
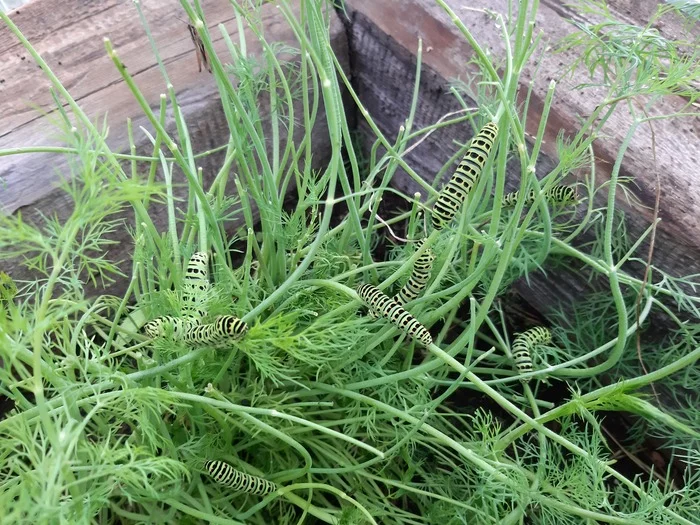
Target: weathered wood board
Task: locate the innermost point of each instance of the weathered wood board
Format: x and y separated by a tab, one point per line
383	50
69	36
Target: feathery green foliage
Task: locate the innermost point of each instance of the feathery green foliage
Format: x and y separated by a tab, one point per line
352	420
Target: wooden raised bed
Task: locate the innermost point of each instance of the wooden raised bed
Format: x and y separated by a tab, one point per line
378	48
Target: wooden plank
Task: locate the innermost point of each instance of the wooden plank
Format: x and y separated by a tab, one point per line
383	48
70	38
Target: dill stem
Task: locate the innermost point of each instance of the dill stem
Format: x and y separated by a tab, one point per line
626	385
275	414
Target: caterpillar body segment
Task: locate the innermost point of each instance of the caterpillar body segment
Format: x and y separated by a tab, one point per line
195	284
239	481
465	177
159	327
382	305
224	328
419	277
559	194
523	344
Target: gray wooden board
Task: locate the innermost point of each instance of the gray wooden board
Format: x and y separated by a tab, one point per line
69	38
383	48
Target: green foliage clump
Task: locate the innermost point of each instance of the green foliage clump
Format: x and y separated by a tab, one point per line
352	420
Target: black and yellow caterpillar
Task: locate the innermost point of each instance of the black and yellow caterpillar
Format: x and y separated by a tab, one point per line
522	345
224	328
558	194
194	285
455	192
383	306
419	277
225	474
189	327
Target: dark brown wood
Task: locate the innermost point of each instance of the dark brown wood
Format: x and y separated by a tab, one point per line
69	36
383	49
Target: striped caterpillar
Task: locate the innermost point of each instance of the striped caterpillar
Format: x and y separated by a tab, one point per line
559	194
194	285
189	328
383	306
239	481
418	278
465	177
224	327
522	345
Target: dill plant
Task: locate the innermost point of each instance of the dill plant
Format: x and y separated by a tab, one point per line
353	421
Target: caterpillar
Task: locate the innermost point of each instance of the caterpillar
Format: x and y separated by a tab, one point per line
418	279
522	345
224	327
455	192
558	194
194	284
225	474
382	305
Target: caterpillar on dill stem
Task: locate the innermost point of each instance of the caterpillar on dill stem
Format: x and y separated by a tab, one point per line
560	195
239	481
189	327
224	328
465	177
383	306
195	284
419	276
524	343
